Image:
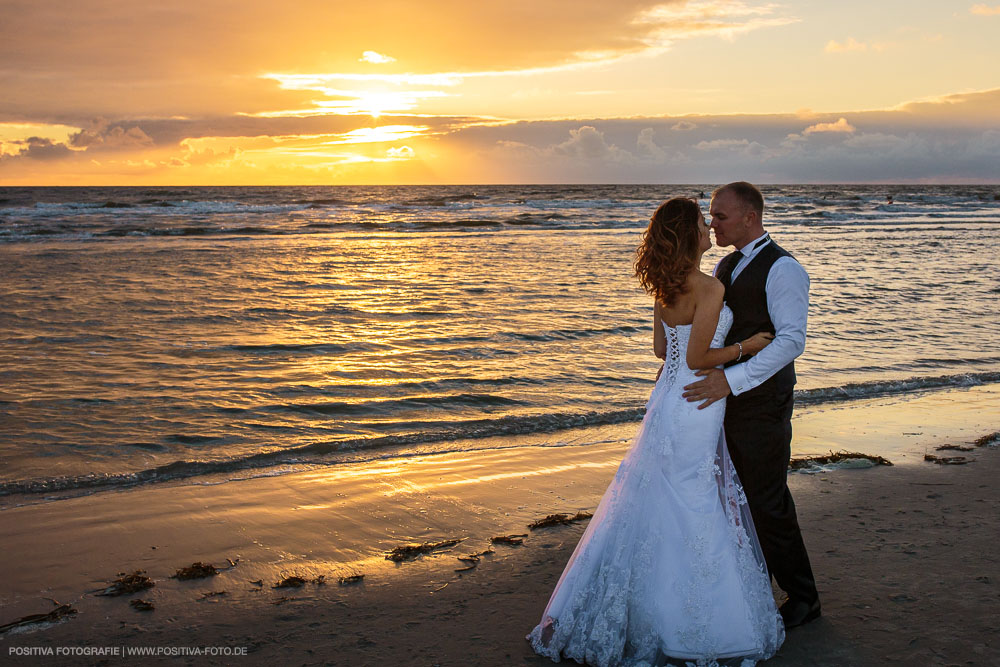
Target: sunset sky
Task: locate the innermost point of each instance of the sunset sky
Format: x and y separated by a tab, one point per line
104	92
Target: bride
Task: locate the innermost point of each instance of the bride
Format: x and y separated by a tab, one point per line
669	571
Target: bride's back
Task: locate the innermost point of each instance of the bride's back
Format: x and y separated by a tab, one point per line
681	312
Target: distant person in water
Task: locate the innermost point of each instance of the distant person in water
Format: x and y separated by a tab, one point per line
888	199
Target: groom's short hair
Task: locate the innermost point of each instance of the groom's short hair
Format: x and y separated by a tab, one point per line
747	193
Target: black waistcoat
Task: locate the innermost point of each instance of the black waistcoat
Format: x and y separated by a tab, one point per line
747	298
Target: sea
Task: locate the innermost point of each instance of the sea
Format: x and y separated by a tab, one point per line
158	333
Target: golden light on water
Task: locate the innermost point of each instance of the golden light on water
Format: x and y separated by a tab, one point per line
435	473
534	472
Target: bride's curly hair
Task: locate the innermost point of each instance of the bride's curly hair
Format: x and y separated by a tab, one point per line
669	249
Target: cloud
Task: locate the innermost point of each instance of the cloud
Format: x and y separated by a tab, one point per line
946	139
401	153
37	148
716	144
132	55
646	146
840	126
984	10
586	149
724	18
588	143
376	58
201	153
851	44
102	135
978	109
731	146
929	141
163	60
138	134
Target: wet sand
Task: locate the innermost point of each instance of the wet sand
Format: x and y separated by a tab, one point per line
905	556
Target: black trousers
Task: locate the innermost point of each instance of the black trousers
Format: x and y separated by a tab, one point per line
759	435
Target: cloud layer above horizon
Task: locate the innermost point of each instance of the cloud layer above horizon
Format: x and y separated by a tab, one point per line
103	92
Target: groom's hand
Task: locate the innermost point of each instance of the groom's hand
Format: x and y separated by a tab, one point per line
714	387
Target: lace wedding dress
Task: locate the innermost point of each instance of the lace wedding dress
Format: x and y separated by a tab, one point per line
669	571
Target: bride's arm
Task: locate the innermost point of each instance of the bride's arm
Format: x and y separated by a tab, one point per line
659	338
706	318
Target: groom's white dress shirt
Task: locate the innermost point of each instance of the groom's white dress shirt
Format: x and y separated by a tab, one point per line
787	290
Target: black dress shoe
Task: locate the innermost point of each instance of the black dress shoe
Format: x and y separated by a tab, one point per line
795	613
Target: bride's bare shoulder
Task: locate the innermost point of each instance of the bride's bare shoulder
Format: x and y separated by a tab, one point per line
705	285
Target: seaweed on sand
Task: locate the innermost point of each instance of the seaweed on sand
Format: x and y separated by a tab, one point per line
475	557
559	520
56	614
197	570
201	570
992	440
409	551
508	539
835	457
472	560
947	460
142	605
290	582
352	579
953	448
128	583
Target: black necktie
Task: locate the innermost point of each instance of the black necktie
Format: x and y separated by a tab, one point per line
726	271
728	266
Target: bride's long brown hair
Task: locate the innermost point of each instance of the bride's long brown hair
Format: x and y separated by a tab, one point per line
669	249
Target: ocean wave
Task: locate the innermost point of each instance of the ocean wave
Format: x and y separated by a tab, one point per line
390	406
324	202
458	222
314	453
175	228
859	390
161	213
443	200
471	429
473	344
316	348
535	218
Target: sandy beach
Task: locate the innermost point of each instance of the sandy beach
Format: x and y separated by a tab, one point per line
904	555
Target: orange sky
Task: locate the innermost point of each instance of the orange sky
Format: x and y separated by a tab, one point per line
319	92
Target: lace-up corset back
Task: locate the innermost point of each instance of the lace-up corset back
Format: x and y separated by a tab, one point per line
678	338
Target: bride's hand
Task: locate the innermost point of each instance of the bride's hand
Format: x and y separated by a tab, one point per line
756	343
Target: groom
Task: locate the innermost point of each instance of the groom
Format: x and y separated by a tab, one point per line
767	290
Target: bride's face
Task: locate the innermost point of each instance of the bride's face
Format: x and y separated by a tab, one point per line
703	235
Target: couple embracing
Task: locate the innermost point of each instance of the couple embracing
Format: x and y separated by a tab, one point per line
675	565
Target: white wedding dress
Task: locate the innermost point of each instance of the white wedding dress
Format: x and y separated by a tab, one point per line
669	571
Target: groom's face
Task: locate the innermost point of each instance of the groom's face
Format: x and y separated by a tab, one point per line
730	220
